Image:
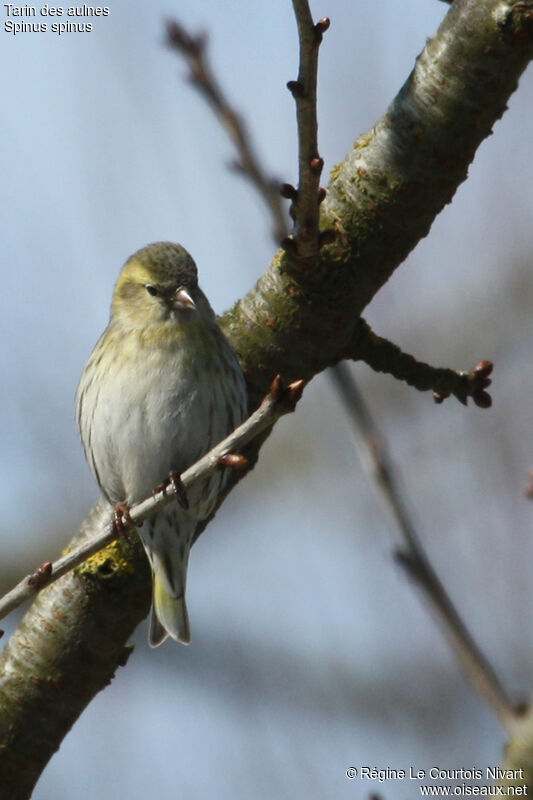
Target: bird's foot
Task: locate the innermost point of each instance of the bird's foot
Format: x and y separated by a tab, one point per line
174	480
122	521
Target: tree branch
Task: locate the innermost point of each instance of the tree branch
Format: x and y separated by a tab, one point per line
384	356
380	354
384	196
304	246
279	401
413	558
74	635
201	76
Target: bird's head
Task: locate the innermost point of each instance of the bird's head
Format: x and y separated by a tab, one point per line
159	284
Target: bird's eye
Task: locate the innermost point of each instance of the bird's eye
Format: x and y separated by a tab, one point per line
151	289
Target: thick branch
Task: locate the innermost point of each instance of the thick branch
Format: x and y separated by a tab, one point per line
384	196
66	649
74	636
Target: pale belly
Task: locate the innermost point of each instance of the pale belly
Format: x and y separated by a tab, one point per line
148	423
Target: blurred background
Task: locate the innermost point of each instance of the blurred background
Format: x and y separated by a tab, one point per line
311	651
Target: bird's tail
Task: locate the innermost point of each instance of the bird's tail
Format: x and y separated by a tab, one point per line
169	614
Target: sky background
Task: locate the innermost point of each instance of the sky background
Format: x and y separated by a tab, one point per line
311	652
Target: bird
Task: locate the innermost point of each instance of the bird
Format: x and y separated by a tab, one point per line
162	387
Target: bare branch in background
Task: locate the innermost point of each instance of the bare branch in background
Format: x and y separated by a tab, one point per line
413	558
194	51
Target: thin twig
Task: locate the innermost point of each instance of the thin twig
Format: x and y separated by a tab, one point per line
193	49
306	240
385	356
413	557
279	401
305	201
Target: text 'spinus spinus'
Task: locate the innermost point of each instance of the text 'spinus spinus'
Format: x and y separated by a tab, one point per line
160	389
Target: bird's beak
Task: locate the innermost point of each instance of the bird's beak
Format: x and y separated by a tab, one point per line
183	300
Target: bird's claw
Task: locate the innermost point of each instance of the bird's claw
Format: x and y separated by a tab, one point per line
122	521
174	480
